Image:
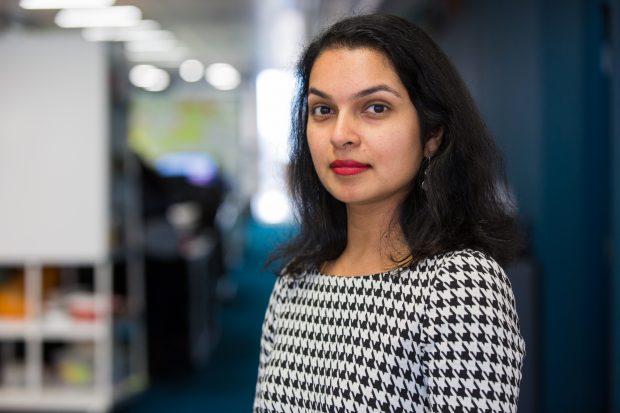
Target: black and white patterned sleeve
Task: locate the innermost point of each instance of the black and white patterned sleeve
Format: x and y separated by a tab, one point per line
266	341
473	350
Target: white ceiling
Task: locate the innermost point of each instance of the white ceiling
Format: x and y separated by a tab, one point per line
231	31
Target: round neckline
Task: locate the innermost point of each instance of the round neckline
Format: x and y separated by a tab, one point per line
392	271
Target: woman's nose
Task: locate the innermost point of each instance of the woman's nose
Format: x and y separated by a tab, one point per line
345	131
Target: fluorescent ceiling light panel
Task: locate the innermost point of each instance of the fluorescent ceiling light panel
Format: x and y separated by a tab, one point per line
64	4
145	30
107	34
118	16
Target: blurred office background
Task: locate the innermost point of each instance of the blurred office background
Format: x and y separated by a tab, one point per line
141	164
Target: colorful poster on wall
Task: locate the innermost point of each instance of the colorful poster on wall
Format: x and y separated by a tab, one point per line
164	126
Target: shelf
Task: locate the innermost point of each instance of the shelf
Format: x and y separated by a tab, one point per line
69	255
74	330
16	329
68	400
60	400
70	330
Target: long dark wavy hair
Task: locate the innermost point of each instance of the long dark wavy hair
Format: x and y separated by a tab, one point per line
465	203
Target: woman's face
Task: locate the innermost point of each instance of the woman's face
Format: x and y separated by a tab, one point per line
363	130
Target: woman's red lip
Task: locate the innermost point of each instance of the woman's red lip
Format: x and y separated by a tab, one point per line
348	167
346	163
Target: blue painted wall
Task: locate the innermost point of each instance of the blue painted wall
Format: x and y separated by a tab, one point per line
537	71
571	240
615	184
497	49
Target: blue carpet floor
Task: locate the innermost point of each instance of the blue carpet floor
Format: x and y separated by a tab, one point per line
226	384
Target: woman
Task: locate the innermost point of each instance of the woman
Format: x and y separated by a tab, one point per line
392	299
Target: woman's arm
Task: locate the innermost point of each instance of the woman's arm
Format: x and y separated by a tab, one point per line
473	350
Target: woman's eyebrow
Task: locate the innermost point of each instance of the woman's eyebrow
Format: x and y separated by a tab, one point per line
374	89
360	94
315	91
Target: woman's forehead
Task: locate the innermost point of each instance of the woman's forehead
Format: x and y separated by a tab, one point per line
353	70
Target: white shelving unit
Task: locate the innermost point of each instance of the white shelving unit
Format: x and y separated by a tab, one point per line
34	332
72	202
66	400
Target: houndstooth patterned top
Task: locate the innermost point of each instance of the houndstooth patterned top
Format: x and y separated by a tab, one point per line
442	336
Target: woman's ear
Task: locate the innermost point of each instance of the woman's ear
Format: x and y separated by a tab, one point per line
433	142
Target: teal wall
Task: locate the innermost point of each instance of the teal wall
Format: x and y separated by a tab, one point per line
573	239
615	99
541	75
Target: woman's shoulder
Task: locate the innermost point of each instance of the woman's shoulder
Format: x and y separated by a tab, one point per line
467	268
470	278
466	259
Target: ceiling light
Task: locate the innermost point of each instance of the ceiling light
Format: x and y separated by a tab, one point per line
191	70
139	75
145	30
160	82
223	76
64	4
149	77
117	16
124	34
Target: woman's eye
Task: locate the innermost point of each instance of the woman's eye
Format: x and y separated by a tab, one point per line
377	108
321	110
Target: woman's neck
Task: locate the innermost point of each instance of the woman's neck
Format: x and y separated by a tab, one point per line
374	242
